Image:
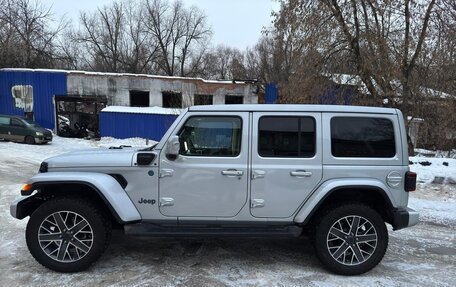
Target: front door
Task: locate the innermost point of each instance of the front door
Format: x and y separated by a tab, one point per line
209	176
286	162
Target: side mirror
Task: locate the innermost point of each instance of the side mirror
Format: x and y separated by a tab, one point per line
172	147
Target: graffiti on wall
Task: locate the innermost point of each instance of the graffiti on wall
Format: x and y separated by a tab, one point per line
23	97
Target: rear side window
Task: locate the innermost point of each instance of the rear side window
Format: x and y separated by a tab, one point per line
4	121
362	137
286	137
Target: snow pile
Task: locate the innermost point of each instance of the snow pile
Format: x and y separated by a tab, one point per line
142	110
434	170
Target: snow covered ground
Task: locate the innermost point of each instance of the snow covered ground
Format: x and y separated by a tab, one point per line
424	255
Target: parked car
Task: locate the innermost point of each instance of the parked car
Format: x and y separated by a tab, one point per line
336	173
19	129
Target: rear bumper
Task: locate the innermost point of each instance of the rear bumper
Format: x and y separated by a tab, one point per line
404	217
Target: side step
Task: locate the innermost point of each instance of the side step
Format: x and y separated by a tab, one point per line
150	229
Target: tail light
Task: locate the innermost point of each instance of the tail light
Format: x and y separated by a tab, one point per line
410	181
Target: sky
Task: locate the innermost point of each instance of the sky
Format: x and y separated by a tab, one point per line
235	23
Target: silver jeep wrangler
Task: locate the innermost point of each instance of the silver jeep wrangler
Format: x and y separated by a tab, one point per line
335	173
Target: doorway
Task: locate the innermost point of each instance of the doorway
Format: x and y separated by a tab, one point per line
78	117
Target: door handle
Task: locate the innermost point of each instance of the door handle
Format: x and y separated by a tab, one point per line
301	173
257	202
258	173
232	172
166	201
166	172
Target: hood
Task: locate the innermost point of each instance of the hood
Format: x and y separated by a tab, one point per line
102	157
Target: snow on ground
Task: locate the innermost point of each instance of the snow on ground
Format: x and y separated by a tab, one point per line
424	255
426	174
435	202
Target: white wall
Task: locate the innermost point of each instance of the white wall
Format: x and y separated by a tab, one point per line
116	88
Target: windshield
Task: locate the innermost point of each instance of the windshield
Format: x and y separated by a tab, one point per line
31	123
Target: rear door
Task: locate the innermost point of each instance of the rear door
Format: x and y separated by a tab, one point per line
286	162
17	130
209	176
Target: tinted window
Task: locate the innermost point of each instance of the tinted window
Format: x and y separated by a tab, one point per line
211	136
286	137
32	123
16	123
362	137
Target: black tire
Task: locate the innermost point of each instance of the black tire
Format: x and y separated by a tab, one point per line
29	140
351	253
95	234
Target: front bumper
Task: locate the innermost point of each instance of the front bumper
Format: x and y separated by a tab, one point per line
404	217
20	206
43	139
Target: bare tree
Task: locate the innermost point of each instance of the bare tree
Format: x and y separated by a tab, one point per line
181	35
26	37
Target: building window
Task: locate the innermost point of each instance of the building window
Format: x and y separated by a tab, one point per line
172	100
139	98
199	100
232	100
286	137
362	137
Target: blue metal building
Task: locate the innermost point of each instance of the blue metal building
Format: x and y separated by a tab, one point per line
43	86
128	124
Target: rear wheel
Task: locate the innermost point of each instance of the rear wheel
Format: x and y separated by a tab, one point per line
29	140
67	234
351	239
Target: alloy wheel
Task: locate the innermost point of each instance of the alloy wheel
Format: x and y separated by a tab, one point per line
65	236
352	240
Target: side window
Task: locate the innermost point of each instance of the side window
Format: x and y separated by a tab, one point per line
4	121
286	137
16	123
362	137
211	136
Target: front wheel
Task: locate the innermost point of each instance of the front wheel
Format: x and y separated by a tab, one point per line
67	234
351	239
29	140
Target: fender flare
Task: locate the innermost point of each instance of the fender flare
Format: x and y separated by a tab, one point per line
313	202
110	191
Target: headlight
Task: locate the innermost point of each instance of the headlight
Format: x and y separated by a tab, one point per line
39	134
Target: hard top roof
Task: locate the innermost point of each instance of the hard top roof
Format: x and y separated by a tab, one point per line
292	108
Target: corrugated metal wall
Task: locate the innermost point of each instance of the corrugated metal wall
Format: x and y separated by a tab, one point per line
127	125
272	93
45	86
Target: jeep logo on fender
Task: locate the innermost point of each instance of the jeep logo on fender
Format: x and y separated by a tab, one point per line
147	201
